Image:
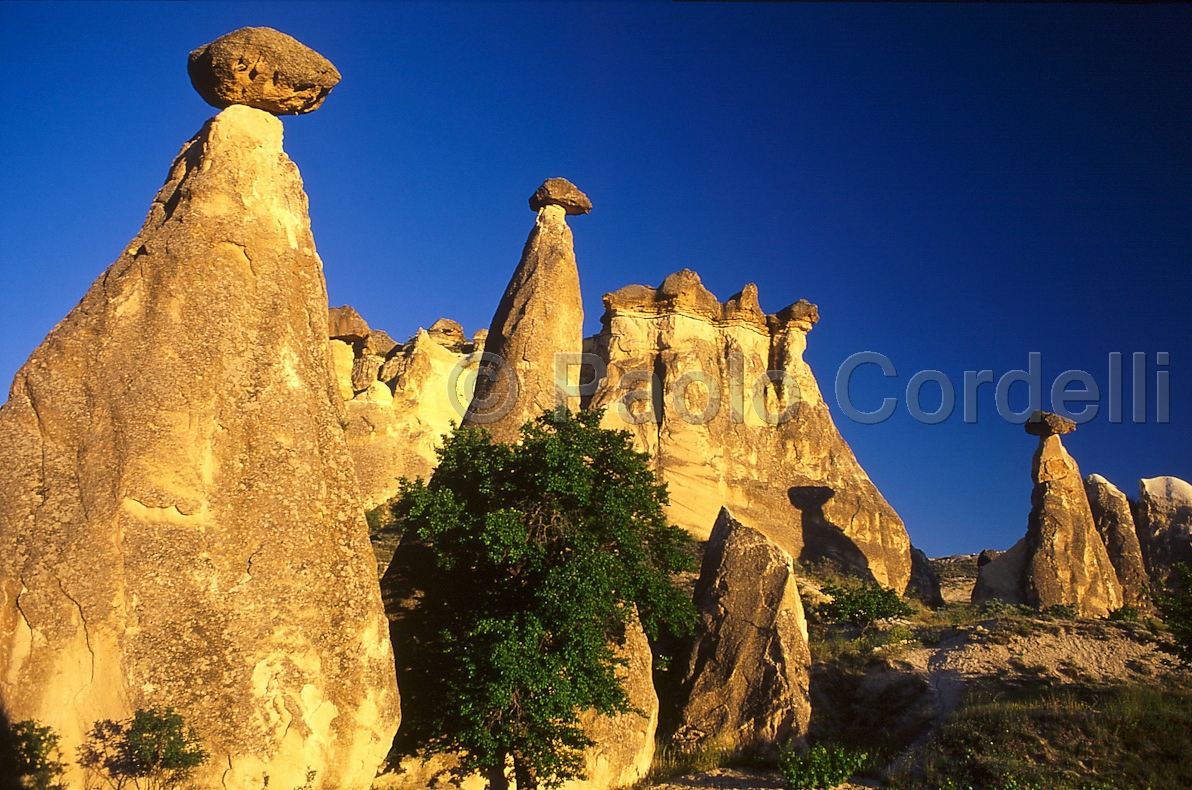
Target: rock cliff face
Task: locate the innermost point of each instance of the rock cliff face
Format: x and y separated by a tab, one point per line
1062	559
180	520
688	376
540	316
746	680
1165	524
1115	523
397	398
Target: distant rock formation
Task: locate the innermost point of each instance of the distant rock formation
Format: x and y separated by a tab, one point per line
180	522
1062	559
1164	523
688	376
540	316
1115	523
262	68
397	397
745	684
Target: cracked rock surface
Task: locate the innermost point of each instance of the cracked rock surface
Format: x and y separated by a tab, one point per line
746	679
179	514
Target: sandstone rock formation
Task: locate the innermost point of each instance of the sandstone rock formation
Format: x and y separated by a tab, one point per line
745	683
540	317
924	584
1062	559
987	556
263	68
1115	523
1164	522
398	399
688	376
180	521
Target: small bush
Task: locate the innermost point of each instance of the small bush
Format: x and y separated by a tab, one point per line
820	766
154	750
1060	611
1126	614
862	605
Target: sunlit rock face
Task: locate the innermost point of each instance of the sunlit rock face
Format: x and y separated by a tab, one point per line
178	508
539	318
1115	523
400	400
688	376
1165	524
1062	559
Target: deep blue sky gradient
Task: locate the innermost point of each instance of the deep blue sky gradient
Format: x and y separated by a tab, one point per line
955	186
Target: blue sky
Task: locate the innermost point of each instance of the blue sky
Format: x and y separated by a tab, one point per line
956	186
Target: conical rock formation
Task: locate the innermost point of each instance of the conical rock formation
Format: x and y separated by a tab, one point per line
1062	559
1165	524
1115	523
745	685
720	397
178	508
540	317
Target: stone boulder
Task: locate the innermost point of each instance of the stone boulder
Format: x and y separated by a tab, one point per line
560	192
344	323
1164	524
1115	523
720	397
180	520
1062	559
540	317
745	683
987	556
925	583
262	68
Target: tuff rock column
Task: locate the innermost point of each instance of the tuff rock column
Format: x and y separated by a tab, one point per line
540	316
179	516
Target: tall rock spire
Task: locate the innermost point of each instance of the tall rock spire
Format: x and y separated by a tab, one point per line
178	510
540	317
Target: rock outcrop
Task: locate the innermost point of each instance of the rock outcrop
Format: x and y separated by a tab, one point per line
1164	522
180	520
1115	523
1062	559
745	684
262	68
540	317
399	399
721	399
924	584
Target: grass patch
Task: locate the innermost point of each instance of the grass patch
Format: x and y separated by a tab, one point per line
1125	737
671	760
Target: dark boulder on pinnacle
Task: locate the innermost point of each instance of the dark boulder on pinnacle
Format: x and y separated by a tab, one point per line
263	68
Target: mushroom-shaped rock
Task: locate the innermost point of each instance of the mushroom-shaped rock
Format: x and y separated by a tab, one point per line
560	192
1045	423
263	68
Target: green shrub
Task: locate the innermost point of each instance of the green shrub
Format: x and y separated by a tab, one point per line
862	605
820	766
154	750
1176	608
1126	614
1061	611
36	755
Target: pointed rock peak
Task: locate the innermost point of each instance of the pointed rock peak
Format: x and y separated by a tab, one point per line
1045	423
560	192
263	68
344	323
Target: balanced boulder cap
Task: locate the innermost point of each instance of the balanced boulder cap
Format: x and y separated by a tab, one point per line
560	192
263	68
1045	423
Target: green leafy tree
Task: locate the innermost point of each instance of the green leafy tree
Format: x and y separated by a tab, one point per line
863	604
1175	606
32	756
541	552
820	767
153	750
